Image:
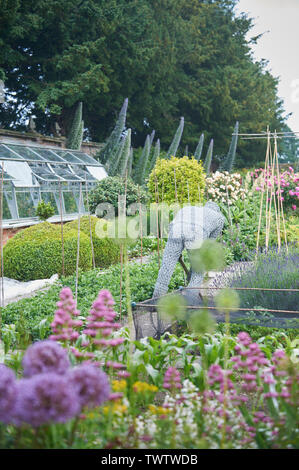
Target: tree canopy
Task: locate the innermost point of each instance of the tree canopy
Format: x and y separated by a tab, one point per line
171	58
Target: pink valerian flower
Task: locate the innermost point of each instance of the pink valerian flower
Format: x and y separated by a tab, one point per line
172	379
101	322
64	324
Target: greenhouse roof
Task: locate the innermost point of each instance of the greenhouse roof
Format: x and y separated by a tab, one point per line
37	154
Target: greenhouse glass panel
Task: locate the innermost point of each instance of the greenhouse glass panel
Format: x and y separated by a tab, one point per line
25	153
69	202
44	173
85	158
9	195
69	157
25	203
48	155
83	173
64	173
47	197
6	212
7	154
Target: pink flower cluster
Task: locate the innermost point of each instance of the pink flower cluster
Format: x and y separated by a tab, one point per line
100	323
250	359
98	329
172	379
64	325
288	183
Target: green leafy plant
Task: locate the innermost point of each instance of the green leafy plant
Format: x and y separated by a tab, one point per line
44	210
177	180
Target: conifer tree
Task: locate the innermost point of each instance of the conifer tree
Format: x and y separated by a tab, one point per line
107	154
176	140
123	164
198	150
79	139
112	166
208	160
130	163
229	161
75	134
155	156
140	171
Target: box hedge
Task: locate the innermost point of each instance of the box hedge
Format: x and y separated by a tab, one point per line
36	253
106	251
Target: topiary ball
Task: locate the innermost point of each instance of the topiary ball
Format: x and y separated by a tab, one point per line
106	250
36	253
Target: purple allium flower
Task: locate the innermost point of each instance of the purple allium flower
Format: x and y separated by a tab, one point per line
45	356
46	398
8	393
91	385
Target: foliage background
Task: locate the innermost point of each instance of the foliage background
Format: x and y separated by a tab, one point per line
171	58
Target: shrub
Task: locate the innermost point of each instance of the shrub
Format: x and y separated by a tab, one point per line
44	210
108	189
36	253
189	178
106	251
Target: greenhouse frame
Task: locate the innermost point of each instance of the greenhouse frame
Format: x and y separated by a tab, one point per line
32	173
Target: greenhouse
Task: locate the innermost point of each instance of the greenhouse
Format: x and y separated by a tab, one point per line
56	175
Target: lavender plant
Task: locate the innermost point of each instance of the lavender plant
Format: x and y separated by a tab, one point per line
275	271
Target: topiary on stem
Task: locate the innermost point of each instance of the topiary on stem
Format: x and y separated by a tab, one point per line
44	210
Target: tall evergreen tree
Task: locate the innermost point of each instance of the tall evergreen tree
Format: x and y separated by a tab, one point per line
74	139
130	163
229	161
208	160
107	154
176	140
198	150
155	156
113	165
141	166
124	160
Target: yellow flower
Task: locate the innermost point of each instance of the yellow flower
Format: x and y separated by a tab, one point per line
116	407
143	387
159	410
119	385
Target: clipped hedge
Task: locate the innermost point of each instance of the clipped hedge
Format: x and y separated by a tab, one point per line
106	251
188	183
36	253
